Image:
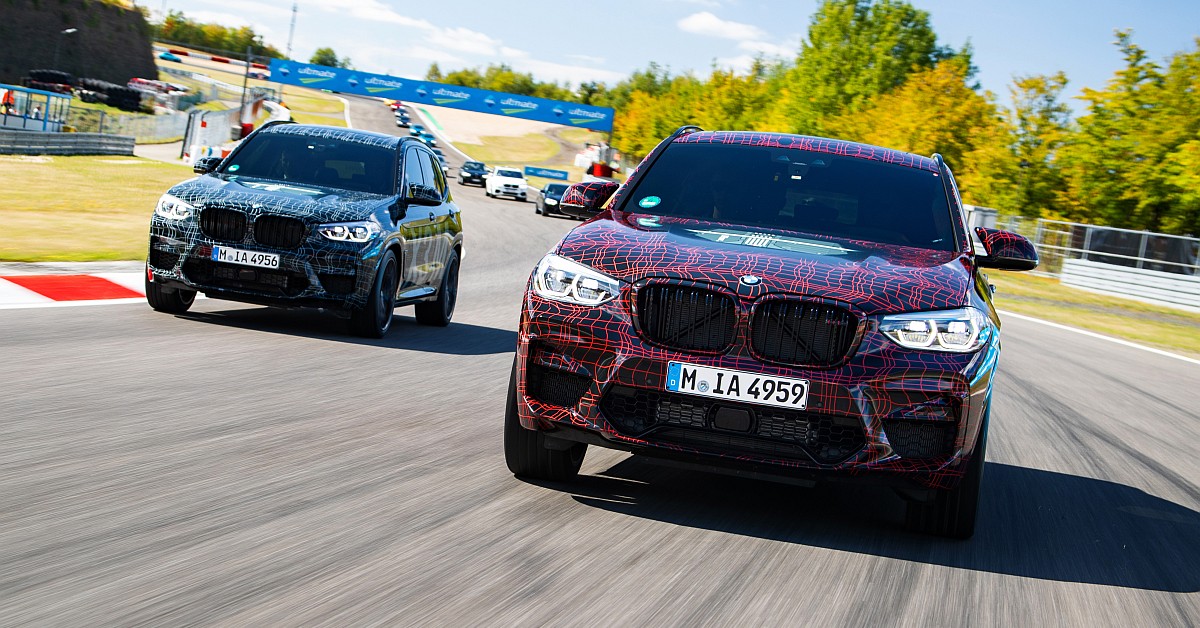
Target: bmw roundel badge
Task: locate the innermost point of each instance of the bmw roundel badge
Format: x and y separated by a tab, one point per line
750	280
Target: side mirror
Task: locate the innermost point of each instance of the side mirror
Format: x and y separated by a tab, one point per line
205	165
422	195
582	200
1006	250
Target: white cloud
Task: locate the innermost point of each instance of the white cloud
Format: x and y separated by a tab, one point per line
740	64
594	60
564	73
704	3
374	11
771	50
463	40
705	23
275	11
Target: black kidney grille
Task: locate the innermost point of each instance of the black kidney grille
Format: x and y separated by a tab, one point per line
691	319
278	231
219	223
802	332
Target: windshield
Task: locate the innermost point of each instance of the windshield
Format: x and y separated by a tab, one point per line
556	188
783	188
318	161
473	166
509	173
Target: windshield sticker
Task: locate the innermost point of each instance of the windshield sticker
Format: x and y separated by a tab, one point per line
649	201
769	241
234	168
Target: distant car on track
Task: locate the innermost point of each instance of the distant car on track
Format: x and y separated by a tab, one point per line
549	198
428	138
771	305
354	222
416	130
472	172
168	56
402	119
506	182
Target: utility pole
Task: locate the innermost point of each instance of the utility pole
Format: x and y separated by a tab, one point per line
292	31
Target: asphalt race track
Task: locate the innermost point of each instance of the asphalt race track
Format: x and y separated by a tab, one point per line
240	465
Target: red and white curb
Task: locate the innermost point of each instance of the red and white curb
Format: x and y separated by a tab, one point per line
35	291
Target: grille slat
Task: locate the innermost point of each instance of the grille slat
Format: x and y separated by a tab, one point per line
278	231
690	319
224	224
805	333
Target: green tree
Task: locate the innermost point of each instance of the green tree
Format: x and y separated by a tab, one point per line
178	28
326	56
854	51
1129	163
434	73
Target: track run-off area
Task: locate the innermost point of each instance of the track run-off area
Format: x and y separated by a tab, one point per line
240	465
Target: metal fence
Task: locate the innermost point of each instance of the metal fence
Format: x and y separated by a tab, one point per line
144	128
1057	241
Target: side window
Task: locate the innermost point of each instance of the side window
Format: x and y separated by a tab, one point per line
428	171
412	170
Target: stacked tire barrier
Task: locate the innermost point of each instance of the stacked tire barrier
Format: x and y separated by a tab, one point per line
36	143
55	81
119	96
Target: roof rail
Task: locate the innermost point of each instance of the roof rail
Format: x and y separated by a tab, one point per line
937	157
685	129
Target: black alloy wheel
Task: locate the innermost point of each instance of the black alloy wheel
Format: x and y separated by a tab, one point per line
169	300
375	319
439	312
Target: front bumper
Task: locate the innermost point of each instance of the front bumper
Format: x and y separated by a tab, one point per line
324	274
887	414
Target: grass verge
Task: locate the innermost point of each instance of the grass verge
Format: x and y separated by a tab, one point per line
507	150
1046	298
85	208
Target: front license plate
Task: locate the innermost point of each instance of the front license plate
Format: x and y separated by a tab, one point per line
245	258
705	381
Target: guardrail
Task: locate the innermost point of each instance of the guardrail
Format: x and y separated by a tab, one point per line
37	143
1149	285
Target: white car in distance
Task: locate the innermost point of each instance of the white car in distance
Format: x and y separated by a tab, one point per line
506	182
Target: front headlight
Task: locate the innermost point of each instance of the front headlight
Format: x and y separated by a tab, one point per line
551	201
173	208
561	279
956	331
361	231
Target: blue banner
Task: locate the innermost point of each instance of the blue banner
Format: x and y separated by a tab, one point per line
546	173
441	95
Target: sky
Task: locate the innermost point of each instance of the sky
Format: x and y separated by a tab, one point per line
574	41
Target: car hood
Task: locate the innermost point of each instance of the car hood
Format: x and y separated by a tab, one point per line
874	278
307	202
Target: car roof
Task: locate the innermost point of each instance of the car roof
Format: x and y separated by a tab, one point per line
334	132
809	143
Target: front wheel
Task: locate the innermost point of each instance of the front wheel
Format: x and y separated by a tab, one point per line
169	300
438	313
525	450
952	512
374	320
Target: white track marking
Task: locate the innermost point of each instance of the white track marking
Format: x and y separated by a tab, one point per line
1096	335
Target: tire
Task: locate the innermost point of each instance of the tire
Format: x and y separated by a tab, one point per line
537	209
374	320
525	450
952	513
438	313
169	300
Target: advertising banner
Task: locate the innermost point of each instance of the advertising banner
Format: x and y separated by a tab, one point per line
546	173
442	95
